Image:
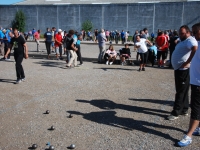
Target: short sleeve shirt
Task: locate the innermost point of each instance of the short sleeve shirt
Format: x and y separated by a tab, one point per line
182	52
195	68
37	35
59	38
18	45
142	44
48	36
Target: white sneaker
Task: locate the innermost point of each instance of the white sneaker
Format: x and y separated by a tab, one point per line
18	81
171	117
7	59
23	79
107	63
185	141
111	63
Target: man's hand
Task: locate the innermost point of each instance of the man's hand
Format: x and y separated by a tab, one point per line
25	56
185	65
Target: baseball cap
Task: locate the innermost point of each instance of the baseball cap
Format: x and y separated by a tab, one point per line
59	30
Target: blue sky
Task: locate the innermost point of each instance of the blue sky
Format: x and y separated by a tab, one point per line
8	2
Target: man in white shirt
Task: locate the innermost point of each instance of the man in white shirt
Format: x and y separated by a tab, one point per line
142	50
194	126
181	58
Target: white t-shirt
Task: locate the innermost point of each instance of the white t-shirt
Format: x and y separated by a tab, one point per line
142	44
195	68
182	52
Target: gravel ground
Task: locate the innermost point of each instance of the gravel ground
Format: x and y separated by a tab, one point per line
113	107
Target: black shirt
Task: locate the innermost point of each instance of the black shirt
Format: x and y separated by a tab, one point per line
18	45
172	42
48	36
68	42
126	51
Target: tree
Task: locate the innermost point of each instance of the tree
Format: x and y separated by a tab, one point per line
87	25
19	21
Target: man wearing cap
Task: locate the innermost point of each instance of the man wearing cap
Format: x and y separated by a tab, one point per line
58	44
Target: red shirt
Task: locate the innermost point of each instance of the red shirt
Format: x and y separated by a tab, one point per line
162	42
37	35
59	38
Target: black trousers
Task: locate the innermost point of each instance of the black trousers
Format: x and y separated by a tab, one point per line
19	68
116	39
182	84
144	57
48	47
6	45
78	52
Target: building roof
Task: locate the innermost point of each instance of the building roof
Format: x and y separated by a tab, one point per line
68	2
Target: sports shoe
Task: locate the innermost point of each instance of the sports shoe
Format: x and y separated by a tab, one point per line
7	59
107	63
111	63
185	141
68	67
23	79
143	69
196	131
139	69
184	114
18	81
171	117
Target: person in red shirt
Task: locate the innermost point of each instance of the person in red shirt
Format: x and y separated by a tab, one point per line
166	34
58	44
37	39
162	44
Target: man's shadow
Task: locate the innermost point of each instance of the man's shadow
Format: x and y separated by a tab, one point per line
108	104
110	118
8	81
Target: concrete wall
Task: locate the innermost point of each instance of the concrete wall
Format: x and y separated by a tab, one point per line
112	17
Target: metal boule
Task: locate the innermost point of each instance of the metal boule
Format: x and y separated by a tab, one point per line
70	116
72	146
52	128
34	146
51	147
47	112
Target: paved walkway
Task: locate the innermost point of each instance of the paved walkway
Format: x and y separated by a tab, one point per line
113	107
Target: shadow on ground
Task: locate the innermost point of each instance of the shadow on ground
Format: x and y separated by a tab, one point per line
155	101
51	63
126	69
108	117
8	81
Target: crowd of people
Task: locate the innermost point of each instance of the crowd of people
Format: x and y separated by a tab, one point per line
183	46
